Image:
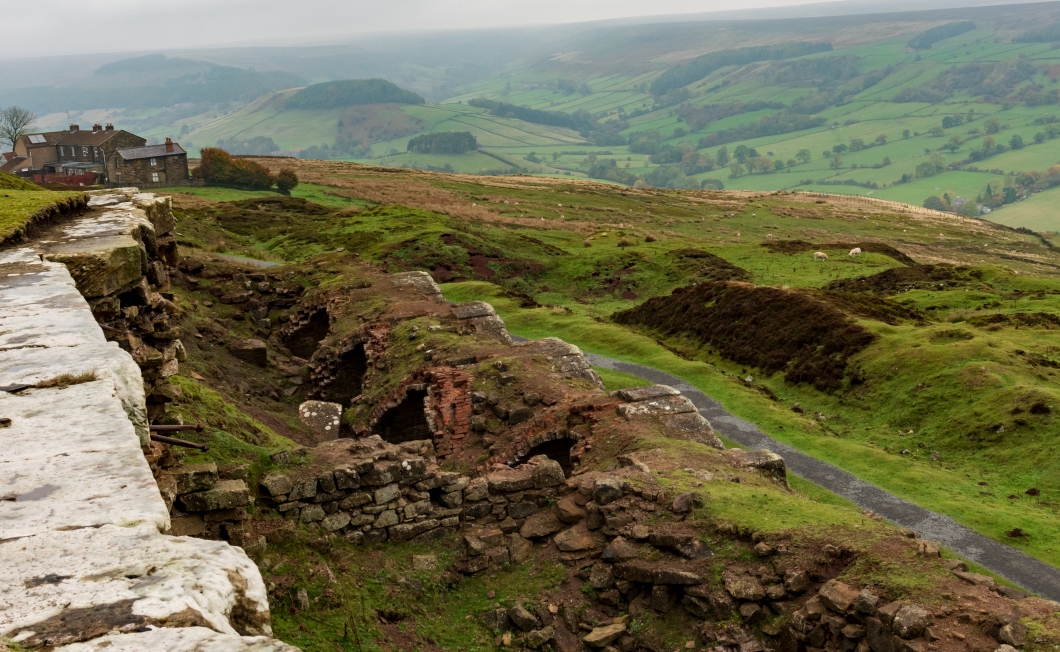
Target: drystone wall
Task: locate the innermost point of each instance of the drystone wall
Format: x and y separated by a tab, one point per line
88	563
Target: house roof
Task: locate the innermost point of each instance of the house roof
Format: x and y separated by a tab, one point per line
42	138
87	137
150	151
15	163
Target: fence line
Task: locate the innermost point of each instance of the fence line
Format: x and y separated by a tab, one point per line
908	208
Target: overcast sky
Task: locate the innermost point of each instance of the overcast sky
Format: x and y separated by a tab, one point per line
81	26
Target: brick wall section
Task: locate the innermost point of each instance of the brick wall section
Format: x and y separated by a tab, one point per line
553	425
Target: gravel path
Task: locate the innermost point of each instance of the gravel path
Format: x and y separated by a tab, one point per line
1033	575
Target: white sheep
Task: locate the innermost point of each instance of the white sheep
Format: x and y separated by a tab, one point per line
856	251
820	255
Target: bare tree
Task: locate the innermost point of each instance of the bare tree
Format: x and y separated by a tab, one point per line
15	122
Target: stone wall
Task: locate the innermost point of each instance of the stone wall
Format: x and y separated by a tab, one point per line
87	564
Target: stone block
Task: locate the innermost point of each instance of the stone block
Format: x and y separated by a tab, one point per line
606	490
252	352
335	521
225	494
386	519
540	525
322	418
187	526
575	539
276	484
547	473
387	494
510	481
407	531
312	514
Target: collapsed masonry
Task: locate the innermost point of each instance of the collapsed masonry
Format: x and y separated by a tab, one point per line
87	563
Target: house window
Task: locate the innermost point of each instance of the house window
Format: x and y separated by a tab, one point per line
84	151
154	161
154	176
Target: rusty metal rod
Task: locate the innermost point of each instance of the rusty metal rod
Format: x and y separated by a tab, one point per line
191	426
178	442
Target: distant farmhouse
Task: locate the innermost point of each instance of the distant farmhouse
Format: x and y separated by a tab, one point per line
103	155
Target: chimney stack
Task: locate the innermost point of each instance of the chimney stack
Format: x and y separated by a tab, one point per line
97	127
169	144
110	126
74	127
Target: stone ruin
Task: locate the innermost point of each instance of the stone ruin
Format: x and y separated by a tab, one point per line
88	563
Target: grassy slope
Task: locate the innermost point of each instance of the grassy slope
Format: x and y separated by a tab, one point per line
18	206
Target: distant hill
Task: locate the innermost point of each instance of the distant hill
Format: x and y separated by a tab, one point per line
349	92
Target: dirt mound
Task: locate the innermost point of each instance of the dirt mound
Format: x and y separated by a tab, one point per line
797	246
901	279
706	266
271	217
768	328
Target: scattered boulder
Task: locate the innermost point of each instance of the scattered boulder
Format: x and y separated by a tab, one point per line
522	618
606	490
574	539
539	637
568	509
910	621
252	352
838	596
619	550
540	525
744	587
684	503
602	636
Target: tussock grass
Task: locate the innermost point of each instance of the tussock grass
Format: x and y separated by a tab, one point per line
66	380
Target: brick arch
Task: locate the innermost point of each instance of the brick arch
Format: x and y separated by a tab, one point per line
447	406
306	328
339	372
561	446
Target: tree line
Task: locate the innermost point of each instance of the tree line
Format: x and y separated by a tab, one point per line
444	142
348	92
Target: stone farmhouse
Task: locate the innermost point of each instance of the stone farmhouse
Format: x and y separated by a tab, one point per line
101	155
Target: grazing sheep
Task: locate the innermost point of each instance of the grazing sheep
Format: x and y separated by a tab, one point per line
770	237
856	251
820	255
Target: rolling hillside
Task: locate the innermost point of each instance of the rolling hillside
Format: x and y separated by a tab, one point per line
900	106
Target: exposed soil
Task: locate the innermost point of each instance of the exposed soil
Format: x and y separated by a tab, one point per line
768	328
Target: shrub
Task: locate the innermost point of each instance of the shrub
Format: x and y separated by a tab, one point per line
218	168
444	142
286	181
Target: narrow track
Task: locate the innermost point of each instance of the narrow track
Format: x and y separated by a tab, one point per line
1033	575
